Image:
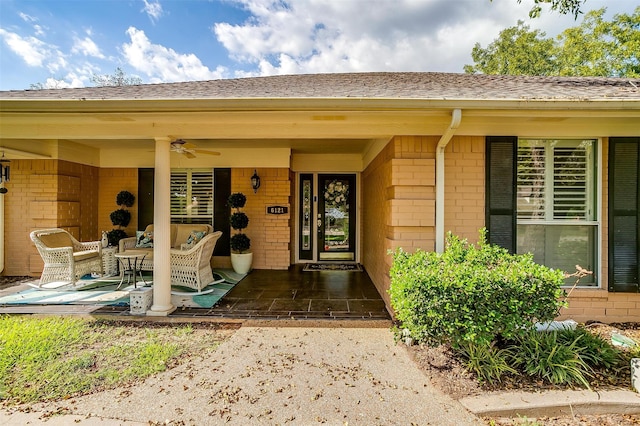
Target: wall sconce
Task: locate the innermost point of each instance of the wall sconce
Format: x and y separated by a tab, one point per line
4	169
255	181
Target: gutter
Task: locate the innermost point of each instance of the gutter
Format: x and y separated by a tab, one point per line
456	117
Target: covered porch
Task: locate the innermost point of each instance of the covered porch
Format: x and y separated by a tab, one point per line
262	294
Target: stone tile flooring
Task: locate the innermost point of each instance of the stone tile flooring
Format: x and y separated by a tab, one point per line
269	294
302	295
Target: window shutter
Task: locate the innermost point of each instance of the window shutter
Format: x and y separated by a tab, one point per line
222	212
623	214
500	191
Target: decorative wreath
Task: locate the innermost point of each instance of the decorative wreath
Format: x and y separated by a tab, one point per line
336	193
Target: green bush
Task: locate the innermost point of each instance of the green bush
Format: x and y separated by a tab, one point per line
125	198
239	220
120	217
115	235
471	293
240	243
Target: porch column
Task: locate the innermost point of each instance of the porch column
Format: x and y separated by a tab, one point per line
162	231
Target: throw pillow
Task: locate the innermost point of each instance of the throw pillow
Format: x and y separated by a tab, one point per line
144	239
195	236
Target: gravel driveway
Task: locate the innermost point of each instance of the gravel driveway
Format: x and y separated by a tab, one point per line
283	375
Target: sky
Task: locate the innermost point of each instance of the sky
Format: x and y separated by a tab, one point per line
63	43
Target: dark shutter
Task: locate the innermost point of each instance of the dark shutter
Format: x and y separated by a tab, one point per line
623	214
500	191
221	210
145	197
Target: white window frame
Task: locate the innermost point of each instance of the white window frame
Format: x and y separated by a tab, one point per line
594	187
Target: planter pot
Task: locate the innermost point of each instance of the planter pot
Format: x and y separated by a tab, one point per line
241	262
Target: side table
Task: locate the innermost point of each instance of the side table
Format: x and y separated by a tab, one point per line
109	261
130	265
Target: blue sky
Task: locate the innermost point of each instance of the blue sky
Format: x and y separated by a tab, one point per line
62	43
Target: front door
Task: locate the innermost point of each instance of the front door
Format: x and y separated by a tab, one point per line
330	199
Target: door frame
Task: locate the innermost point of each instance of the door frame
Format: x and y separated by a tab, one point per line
314	228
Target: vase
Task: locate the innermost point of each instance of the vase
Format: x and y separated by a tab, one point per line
241	262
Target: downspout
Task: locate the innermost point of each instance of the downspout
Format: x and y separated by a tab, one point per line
456	116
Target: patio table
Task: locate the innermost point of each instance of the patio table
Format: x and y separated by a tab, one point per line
130	265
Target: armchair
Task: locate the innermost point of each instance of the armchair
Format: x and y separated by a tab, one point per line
65	258
192	268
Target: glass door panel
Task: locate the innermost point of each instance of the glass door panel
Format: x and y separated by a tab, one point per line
336	217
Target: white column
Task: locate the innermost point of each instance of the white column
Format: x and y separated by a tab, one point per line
162	231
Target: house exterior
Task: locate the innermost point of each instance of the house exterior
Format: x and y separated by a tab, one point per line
351	166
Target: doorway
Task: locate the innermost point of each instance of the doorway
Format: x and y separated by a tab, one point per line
327	218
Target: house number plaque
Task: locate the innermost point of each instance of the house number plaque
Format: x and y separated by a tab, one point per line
277	209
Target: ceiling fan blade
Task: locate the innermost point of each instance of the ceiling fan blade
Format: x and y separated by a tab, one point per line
188	154
188	145
203	151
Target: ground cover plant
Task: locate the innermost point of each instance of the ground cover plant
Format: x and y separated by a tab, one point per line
56	357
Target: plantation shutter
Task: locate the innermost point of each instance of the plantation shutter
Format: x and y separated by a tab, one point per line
192	196
500	191
623	214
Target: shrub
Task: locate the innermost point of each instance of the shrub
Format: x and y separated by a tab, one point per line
115	235
240	243
239	220
471	293
120	217
125	198
237	200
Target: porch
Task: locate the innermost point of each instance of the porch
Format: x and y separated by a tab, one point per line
262	294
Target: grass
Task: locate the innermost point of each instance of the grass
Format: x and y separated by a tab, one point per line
54	358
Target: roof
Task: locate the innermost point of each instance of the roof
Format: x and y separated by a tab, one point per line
384	85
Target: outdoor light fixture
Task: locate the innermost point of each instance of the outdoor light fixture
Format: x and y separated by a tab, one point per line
4	169
255	181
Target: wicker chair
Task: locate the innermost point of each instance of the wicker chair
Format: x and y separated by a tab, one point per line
192	268
65	258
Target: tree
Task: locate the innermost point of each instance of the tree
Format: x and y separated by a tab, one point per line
594	48
561	6
517	51
601	48
118	78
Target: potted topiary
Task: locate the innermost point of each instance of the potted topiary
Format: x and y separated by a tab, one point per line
241	256
121	217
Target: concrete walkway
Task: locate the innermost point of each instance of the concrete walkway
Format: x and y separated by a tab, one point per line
274	375
307	375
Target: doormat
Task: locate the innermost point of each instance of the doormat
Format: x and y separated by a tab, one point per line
332	267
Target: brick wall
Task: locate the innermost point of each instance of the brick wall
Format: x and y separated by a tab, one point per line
46	194
112	181
464	186
270	234
398	204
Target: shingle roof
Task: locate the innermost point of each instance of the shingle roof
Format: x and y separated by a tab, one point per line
385	85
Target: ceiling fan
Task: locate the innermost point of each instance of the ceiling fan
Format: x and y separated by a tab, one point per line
189	150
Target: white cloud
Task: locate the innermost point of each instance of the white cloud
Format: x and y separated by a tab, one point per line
310	36
162	64
86	46
153	9
34	52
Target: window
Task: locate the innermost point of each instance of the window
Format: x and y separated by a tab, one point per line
192	196
556	203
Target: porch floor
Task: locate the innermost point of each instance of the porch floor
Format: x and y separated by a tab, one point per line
269	294
302	294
